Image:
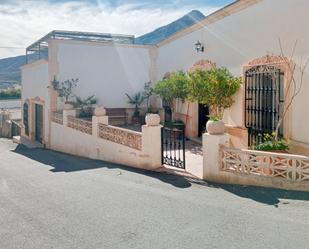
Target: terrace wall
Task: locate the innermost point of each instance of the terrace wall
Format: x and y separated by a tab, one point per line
97	140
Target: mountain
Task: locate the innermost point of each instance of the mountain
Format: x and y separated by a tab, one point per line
10	74
9	70
10	67
164	32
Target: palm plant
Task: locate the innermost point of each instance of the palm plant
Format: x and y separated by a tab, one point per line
85	105
136	100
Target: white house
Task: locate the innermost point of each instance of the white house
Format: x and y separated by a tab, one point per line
241	36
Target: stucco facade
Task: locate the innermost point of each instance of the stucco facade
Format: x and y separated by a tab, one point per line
233	37
237	35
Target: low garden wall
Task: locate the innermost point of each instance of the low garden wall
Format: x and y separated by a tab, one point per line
97	140
249	167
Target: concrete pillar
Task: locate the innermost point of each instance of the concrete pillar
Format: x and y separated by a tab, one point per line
95	123
67	113
151	145
211	155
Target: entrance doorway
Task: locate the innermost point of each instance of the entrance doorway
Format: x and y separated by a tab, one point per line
203	113
39	123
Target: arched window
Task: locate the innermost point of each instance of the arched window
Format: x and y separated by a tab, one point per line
26	118
264	98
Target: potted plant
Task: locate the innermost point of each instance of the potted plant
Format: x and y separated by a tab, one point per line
136	100
85	105
214	88
64	90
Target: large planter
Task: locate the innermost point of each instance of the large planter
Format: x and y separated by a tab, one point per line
68	106
100	111
152	119
136	120
215	127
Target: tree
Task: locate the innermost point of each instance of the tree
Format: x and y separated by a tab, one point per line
214	88
10	94
147	93
293	85
65	88
174	86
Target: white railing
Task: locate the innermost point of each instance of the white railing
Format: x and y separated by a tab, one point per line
57	117
80	125
122	136
290	167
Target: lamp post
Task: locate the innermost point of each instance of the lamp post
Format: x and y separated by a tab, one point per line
199	47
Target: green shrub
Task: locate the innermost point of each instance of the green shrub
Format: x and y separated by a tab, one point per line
270	144
10	94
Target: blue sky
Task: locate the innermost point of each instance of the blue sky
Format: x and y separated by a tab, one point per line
25	21
155	2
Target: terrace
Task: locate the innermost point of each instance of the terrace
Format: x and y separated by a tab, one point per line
39	49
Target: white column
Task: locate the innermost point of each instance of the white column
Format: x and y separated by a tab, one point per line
211	155
95	123
151	146
67	113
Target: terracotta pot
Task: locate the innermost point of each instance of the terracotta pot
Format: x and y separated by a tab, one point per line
215	127
152	119
100	111
136	120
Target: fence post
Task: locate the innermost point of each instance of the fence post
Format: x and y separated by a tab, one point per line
151	142
67	113
211	155
96	120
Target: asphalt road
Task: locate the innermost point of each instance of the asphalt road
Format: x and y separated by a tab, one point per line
52	200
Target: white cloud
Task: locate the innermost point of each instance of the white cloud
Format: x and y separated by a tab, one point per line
24	22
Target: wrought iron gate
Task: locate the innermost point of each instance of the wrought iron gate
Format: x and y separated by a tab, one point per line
264	97
173	147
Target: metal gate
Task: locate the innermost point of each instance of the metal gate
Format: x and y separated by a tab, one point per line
173	147
264	98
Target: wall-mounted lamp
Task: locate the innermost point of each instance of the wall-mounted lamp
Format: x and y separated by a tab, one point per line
199	47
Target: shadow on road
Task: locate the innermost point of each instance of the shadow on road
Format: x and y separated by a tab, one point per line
269	196
66	163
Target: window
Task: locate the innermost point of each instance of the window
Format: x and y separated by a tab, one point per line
26	118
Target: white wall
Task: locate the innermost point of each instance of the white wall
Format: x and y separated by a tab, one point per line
74	142
240	37
35	81
107	71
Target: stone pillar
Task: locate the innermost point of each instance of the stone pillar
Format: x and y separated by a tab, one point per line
211	155
151	142
67	113
151	146
95	123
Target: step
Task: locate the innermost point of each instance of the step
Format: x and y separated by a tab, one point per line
31	144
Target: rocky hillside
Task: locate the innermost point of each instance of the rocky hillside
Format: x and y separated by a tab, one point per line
9	70
166	31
